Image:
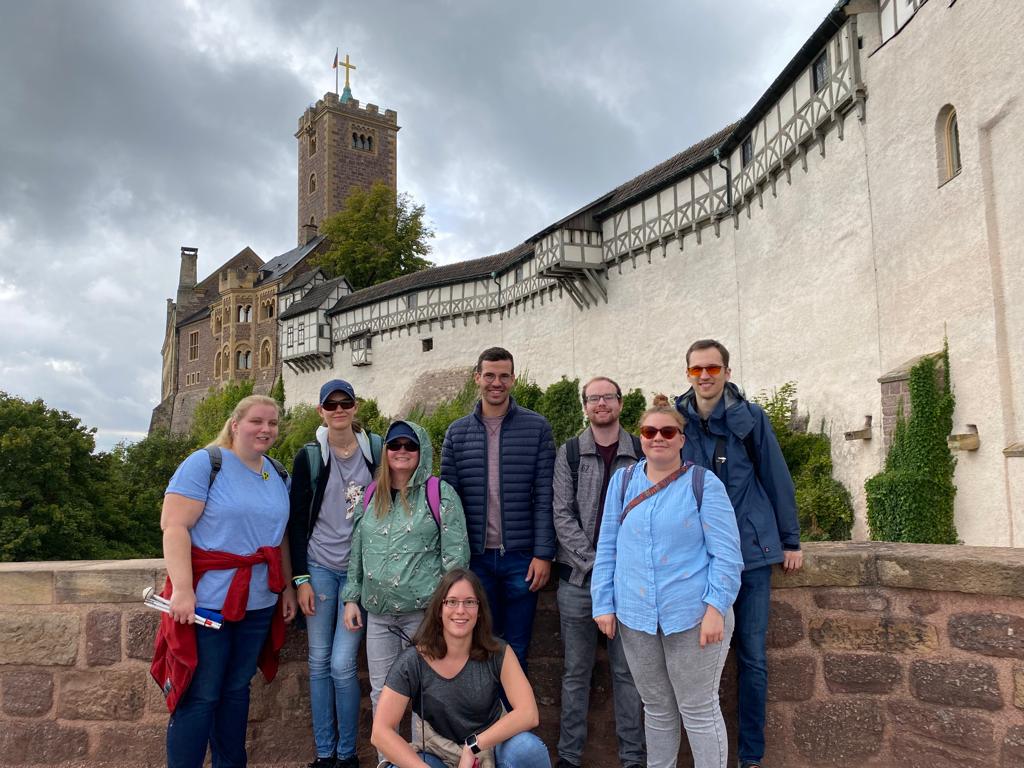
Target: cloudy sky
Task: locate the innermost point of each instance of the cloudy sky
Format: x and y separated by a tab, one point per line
131	128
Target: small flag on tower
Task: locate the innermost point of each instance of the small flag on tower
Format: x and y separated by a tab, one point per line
335	64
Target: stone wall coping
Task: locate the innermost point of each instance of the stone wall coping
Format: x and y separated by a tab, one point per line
929	567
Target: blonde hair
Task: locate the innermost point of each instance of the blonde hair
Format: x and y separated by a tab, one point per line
660	404
225	439
382	494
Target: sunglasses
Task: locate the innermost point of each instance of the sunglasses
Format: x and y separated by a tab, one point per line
713	370
333	405
649	433
403	445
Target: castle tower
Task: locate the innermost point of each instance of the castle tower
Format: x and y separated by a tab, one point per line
341	146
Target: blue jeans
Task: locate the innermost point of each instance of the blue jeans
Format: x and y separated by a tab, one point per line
333	681
579	641
215	708
524	750
748	640
512	603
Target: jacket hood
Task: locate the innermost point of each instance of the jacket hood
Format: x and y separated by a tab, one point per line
426	464
739	420
361	439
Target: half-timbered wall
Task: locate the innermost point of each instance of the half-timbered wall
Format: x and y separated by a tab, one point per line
840	260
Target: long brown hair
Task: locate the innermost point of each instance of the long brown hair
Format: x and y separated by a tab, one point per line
429	638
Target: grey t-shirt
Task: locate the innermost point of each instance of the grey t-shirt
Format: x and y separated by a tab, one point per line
492	539
331	541
457	708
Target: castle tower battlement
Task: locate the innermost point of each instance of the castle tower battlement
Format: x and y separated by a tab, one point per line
342	145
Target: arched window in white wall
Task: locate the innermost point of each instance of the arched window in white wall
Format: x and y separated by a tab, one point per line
947	143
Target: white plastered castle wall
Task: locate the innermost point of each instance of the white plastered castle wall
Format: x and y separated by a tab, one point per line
846	271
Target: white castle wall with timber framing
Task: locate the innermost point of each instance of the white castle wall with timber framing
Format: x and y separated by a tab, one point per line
846	253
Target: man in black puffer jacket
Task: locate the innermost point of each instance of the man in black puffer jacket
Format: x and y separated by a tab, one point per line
500	460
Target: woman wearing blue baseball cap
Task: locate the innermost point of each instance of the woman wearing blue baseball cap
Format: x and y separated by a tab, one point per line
328	478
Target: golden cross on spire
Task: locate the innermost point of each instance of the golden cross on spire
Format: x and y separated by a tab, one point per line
347	67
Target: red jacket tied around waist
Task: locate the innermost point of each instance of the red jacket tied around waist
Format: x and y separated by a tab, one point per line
175	656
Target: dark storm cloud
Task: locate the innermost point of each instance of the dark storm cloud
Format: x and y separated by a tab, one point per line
128	129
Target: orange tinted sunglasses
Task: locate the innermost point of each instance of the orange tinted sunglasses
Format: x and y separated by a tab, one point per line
649	433
713	370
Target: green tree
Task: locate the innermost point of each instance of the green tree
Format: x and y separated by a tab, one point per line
277	391
633	405
912	498
140	476
377	236
526	393
53	488
210	415
562	407
298	427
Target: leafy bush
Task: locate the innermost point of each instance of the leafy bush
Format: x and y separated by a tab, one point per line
526	392
297	428
824	506
912	498
562	407
633	405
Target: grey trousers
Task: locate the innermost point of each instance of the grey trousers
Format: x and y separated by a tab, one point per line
675	676
579	641
383	646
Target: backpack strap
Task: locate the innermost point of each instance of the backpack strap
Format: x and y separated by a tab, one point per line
376	449
697	481
433	497
572	455
281	471
314	459
216	462
638	450
625	484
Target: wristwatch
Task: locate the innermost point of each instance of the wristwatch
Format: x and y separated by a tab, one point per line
473	746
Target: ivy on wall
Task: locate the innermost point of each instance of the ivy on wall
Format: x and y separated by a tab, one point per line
912	498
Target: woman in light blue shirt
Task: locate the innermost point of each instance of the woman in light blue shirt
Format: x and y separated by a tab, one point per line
666	575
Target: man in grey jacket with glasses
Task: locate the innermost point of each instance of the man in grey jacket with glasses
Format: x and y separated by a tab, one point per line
583	466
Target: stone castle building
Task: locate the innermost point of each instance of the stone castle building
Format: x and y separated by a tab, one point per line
225	328
868	206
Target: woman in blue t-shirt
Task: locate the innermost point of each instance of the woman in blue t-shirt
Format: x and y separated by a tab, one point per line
453	674
240	509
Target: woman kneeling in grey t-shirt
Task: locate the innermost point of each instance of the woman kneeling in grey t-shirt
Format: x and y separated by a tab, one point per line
454	674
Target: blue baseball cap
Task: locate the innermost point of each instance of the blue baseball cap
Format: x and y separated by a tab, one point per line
336	385
401	429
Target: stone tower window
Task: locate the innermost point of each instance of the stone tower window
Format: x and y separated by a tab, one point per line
266	358
819	72
216	365
947	144
312	183
245	313
193	345
268	309
218	322
312	144
243	360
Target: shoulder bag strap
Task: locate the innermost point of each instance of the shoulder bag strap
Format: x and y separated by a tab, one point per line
659	486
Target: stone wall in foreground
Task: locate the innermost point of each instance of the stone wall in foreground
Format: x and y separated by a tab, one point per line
879	655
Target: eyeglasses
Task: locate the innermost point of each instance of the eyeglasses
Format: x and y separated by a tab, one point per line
470	603
713	370
649	433
333	405
402	444
595	399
